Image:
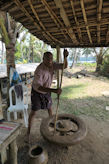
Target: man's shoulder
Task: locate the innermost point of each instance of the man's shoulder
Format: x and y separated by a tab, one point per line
41	67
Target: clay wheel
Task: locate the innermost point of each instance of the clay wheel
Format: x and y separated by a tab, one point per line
70	129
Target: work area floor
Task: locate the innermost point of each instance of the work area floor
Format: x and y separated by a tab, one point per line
94	149
84	97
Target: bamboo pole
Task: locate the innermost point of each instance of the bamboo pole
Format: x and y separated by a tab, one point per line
1	112
59	85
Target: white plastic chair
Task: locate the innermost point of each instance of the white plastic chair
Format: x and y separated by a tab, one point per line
19	106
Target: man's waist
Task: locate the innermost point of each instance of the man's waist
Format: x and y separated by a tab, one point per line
38	91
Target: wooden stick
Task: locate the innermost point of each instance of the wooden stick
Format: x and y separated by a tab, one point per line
58	98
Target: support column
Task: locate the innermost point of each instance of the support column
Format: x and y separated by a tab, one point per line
1	112
58	60
13	152
3	156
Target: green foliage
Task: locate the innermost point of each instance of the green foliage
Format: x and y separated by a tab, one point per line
18	52
22	62
31	49
105	66
91	65
87	51
78	98
3	31
87	65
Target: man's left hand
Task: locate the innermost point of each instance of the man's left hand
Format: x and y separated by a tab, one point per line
65	53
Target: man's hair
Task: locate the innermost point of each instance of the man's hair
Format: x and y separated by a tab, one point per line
47	54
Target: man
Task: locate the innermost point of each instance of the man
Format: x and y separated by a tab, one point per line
41	91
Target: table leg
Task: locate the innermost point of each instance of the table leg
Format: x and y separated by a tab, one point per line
3	155
1	112
13	152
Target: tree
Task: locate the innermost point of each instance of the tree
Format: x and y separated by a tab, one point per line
87	52
100	53
9	32
105	66
74	55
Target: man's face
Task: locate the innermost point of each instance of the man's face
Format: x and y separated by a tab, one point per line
48	60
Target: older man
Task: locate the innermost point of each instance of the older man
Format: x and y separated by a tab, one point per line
41	91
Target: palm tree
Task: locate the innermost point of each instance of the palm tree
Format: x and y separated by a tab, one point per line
9	32
100	53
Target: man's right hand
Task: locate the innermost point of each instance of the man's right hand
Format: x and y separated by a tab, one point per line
58	91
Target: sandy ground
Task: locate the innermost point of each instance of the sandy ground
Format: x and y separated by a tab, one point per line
94	149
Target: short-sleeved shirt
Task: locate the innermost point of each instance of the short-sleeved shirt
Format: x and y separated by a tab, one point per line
44	75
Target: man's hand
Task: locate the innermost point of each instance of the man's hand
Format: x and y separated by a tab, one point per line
58	91
65	53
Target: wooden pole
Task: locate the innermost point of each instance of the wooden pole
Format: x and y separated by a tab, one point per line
3	156
13	152
58	61
1	112
59	83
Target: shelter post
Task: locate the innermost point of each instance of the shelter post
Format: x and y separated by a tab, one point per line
58	60
1	112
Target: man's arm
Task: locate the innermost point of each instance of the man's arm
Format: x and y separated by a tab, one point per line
65	53
57	91
65	64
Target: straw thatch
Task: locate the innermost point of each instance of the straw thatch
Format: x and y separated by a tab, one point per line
67	23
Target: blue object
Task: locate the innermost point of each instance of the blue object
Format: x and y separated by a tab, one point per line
15	79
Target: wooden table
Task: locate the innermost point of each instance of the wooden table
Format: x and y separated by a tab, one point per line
8	133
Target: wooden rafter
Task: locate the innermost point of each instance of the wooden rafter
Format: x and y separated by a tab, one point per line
107	36
59	22
66	20
41	24
85	20
54	31
51	13
77	23
54	17
6	5
99	9
19	4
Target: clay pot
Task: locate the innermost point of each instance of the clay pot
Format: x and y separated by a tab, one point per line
37	155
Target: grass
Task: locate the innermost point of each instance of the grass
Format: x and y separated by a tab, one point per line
84	97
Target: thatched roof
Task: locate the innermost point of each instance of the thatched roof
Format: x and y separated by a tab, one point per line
67	23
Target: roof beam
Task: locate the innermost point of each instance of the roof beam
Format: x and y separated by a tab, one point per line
85	20
99	9
53	16
103	22
77	23
19	4
51	13
49	37
66	20
6	5
107	36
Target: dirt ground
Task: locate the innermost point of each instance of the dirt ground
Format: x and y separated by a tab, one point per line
94	149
